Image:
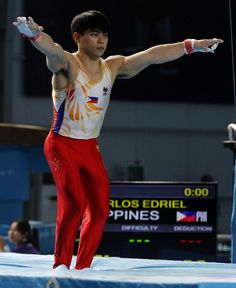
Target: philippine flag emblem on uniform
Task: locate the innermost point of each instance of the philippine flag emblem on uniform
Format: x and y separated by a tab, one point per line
92	99
186	216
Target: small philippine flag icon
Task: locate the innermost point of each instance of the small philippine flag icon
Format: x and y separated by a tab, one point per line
92	99
186	216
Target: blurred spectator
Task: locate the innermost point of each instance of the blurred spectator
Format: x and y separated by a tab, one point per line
24	238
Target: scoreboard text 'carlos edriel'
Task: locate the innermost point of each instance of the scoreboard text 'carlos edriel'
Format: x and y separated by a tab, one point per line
161	220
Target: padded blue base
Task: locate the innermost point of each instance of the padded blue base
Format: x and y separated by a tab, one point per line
17	270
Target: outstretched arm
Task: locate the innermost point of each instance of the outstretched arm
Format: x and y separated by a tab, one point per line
56	56
130	66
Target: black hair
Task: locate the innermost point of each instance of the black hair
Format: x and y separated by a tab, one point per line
31	235
91	19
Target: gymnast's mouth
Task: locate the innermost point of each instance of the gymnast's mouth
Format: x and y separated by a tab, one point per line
101	48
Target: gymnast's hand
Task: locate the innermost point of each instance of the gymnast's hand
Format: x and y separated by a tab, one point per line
206	45
27	27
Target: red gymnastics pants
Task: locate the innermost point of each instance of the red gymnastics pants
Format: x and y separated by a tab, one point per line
82	197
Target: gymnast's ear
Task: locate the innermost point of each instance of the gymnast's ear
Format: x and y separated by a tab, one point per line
76	36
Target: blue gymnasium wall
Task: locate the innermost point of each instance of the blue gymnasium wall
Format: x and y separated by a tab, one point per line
17	162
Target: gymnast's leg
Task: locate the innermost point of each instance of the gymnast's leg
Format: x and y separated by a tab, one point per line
96	184
71	201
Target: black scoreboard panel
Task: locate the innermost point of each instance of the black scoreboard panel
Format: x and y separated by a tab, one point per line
161	220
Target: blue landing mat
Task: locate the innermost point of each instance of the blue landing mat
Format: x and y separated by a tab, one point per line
18	270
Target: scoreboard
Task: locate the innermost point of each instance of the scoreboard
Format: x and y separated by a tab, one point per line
161	220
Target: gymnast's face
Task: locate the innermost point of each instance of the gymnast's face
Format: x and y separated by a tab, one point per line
93	42
14	235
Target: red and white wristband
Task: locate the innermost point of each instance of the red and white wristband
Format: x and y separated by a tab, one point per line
33	38
189	46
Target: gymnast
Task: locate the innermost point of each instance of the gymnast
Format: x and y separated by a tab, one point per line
81	88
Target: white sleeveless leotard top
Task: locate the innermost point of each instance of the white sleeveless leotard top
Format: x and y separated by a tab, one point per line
79	109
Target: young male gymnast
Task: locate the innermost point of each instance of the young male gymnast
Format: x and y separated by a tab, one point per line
81	88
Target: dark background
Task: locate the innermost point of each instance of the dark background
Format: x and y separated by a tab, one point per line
137	25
